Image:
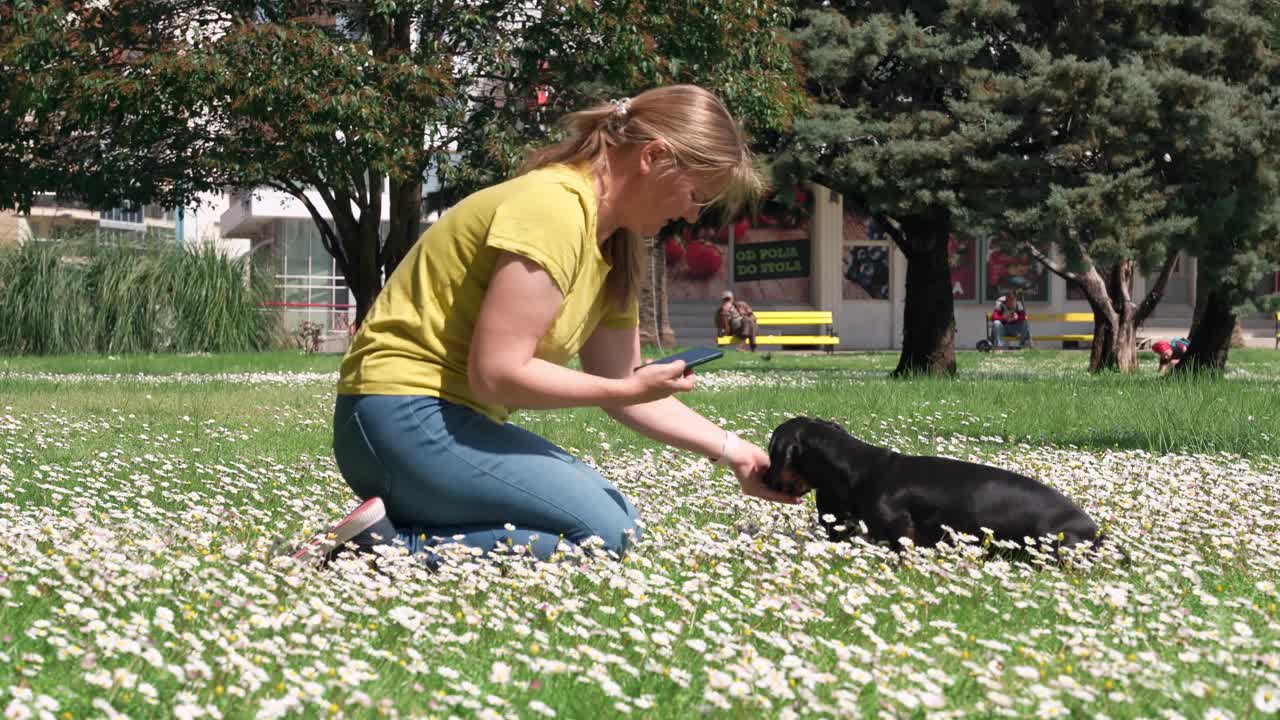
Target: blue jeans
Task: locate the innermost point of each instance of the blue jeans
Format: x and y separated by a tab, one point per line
999	329
446	473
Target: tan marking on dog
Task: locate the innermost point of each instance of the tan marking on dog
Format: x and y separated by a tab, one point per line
793	483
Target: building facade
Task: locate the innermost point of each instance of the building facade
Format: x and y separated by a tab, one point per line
52	216
835	259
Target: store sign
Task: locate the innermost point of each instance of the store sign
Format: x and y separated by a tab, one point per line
771	260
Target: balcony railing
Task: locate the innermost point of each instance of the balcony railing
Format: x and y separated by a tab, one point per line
53	200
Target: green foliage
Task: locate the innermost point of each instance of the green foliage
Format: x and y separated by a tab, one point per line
1117	133
158	100
1117	122
77	296
585	53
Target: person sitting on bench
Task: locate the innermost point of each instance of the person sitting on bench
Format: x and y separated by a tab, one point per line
735	318
1009	317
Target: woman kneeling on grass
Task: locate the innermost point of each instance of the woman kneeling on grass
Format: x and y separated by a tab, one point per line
486	308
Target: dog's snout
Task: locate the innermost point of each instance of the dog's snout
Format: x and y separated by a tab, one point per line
789	482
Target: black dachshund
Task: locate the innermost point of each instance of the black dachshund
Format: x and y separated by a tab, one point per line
914	496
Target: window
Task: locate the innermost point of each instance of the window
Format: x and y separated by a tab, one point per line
307	278
866	271
122	215
115	236
1008	270
982	272
159	212
962	257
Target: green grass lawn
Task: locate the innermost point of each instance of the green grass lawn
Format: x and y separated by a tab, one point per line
140	498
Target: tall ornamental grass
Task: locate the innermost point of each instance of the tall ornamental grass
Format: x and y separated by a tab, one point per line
64	296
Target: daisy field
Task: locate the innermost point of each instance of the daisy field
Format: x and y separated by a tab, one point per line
144	502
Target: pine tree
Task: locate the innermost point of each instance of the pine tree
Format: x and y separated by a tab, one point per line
1233	182
887	136
1085	130
1170	147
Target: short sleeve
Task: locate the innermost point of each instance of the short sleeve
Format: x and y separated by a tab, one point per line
545	224
621	319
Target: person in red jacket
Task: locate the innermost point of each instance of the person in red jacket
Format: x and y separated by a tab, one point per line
1170	353
1009	317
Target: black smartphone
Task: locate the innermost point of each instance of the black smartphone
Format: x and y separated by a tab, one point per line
693	357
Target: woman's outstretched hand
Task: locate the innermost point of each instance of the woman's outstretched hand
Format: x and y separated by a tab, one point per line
749	464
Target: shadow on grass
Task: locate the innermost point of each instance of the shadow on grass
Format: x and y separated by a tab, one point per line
1154	442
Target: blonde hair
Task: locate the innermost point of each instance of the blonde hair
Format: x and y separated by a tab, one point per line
703	137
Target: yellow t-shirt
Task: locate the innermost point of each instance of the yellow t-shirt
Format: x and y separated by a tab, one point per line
417	336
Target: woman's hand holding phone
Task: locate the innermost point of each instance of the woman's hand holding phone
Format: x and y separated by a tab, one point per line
669	375
659	380
691	358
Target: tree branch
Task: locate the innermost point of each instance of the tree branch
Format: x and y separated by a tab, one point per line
1156	294
358	181
1084	249
339	202
894	232
1123	273
1060	271
328	237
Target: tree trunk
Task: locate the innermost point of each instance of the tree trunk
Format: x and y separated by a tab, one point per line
406	192
406	215
647	298
1210	335
1203	283
660	262
1104	316
355	240
1115	317
376	258
928	322
655	324
367	282
1122	341
369	258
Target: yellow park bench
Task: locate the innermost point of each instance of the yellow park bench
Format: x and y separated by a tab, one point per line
1067	339
825	337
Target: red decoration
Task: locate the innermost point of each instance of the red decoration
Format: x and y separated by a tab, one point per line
674	251
703	259
739	232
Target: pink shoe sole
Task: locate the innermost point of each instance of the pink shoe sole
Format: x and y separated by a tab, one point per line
362	518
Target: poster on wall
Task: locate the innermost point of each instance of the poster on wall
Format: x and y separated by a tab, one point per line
962	257
771	260
769	263
865	268
1005	271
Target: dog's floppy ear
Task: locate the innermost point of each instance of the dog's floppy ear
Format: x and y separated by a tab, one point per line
782	449
784	452
791	453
